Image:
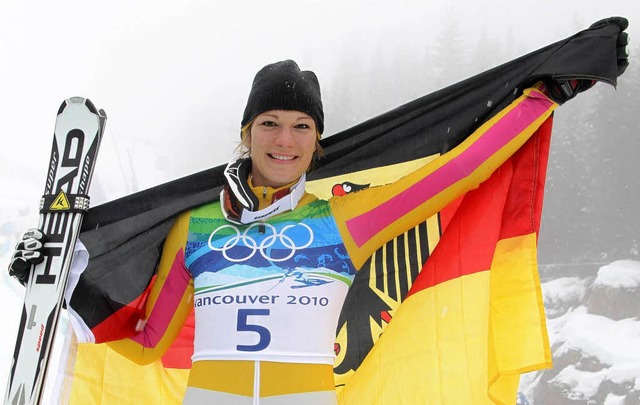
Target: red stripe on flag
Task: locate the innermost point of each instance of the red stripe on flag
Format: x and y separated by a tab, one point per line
530	173
471	235
122	323
508	204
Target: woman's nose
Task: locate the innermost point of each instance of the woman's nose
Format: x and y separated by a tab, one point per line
285	137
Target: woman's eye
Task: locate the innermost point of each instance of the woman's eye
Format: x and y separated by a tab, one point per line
303	126
269	124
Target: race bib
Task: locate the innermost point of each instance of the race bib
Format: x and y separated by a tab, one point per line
272	320
270	290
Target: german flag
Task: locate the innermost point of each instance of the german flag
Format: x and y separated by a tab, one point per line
473	320
449	312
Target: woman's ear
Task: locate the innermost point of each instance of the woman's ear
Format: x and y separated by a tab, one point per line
245	140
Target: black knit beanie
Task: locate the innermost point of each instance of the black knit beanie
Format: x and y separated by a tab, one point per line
283	86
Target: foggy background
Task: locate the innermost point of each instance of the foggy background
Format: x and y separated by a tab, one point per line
173	77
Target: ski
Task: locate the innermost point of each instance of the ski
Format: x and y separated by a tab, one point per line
78	131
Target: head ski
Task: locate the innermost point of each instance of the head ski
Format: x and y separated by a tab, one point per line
78	131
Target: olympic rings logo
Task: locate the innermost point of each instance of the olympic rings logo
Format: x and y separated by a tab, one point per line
264	246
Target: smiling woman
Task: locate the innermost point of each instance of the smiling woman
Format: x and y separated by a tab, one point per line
282	123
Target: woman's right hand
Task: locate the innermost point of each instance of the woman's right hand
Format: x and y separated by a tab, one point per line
29	251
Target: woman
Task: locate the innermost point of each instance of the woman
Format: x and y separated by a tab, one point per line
253	264
266	305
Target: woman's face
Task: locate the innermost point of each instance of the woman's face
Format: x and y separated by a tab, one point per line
282	146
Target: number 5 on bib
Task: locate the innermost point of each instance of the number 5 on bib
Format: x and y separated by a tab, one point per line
245	326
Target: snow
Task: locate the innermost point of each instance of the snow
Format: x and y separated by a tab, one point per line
580	329
563	292
619	274
609	348
614	400
583	384
613	343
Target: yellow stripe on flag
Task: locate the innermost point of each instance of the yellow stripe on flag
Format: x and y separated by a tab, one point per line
519	341
122	381
463	341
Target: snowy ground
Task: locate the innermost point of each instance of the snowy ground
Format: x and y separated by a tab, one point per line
594	340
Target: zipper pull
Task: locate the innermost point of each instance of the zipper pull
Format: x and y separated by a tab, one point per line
261	228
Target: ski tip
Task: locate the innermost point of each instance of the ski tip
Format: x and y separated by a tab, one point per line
78	100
